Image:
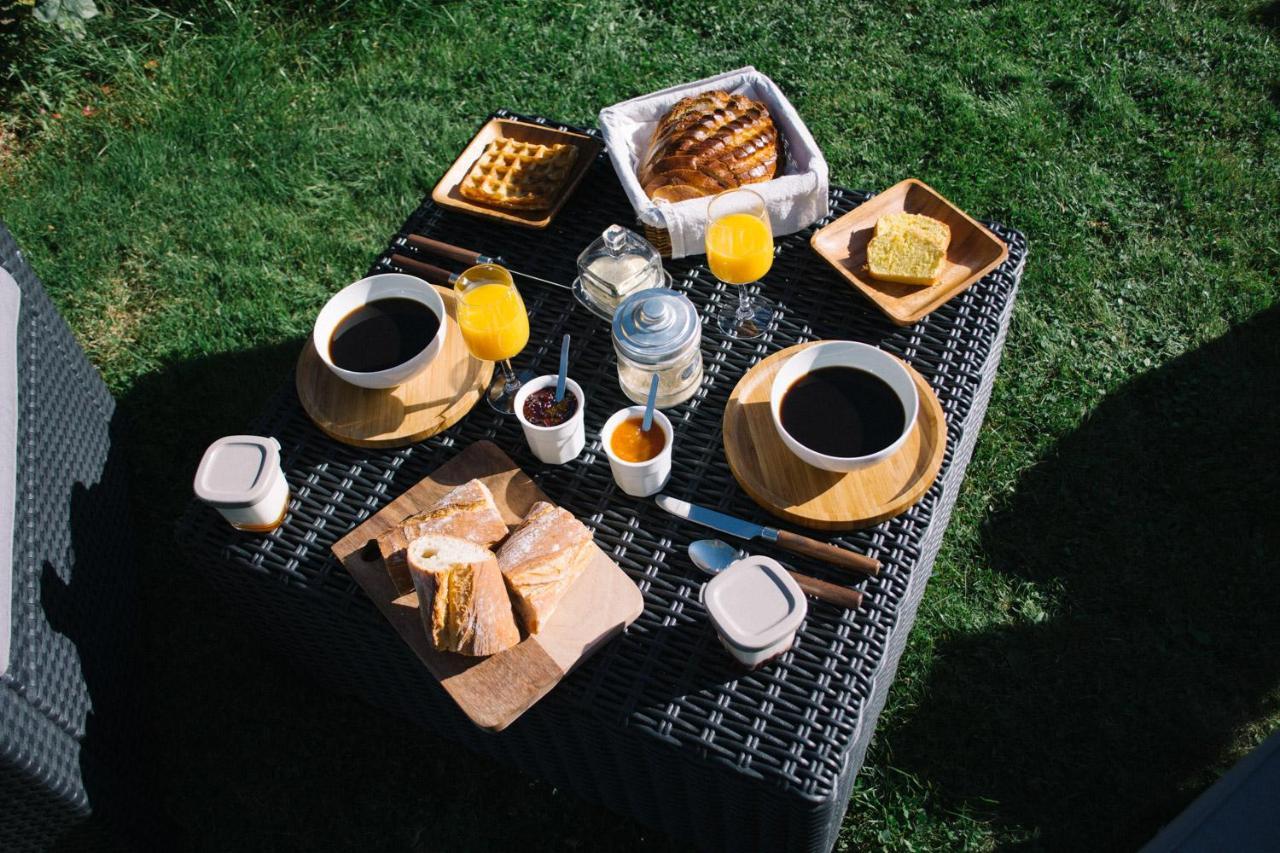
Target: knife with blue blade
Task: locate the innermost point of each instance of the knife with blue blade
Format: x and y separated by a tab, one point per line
793	542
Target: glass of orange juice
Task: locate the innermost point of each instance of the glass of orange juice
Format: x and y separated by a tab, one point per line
740	252
495	326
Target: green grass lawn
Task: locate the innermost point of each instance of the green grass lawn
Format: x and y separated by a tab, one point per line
1098	641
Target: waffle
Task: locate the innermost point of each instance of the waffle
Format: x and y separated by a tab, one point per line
520	175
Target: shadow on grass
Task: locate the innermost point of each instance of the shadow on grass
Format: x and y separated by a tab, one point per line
249	754
1267	15
1158	520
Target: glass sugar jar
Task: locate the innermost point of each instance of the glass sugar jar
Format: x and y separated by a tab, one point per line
658	331
617	263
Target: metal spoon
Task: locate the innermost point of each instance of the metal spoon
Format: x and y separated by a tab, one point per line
713	556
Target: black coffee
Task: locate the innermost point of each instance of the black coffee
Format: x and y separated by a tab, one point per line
842	411
382	334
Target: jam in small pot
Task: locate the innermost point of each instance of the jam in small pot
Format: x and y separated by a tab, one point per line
541	408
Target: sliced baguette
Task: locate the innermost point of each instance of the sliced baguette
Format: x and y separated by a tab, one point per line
461	596
468	512
541	560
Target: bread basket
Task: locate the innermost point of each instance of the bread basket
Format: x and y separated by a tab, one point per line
796	198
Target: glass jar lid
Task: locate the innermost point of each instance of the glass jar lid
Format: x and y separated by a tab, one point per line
655	325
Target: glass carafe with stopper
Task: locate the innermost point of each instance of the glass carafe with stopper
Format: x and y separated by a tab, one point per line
618	263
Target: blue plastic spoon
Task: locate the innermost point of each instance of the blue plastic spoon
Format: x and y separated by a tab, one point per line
564	368
648	406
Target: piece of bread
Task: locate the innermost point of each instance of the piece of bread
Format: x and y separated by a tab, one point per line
461	596
541	560
908	248
467	512
519	175
935	231
709	143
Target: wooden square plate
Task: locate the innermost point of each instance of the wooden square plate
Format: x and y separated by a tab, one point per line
446	192
974	251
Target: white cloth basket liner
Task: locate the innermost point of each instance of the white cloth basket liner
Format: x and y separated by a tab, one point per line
796	199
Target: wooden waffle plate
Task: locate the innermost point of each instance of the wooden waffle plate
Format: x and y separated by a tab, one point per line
446	192
494	691
434	400
791	489
974	251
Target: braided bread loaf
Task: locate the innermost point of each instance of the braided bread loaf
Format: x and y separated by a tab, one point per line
709	143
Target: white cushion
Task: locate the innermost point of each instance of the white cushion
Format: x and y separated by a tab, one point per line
10	298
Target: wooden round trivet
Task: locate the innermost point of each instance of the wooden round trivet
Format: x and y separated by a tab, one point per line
434	400
825	500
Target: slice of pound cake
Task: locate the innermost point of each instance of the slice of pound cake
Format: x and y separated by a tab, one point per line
908	248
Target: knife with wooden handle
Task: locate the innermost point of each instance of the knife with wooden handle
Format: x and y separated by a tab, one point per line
431	272
465	256
793	542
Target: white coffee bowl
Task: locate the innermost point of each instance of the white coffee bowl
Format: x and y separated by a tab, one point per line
362	292
844	354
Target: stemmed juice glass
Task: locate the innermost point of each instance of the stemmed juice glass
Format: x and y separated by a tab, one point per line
740	252
495	325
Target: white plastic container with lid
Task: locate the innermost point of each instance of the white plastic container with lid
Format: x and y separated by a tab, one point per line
241	476
756	608
658	331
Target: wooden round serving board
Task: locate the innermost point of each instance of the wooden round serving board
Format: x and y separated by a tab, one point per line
825	500
434	400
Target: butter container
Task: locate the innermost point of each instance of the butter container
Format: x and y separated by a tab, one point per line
756	608
617	264
241	476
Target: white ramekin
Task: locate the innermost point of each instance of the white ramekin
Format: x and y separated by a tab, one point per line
639	479
554	445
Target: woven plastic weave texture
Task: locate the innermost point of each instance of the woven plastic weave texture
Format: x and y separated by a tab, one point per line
788	738
72	587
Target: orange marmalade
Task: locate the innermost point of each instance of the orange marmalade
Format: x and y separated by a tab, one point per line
631	443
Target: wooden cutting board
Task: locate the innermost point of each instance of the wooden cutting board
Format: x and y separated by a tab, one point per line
494	691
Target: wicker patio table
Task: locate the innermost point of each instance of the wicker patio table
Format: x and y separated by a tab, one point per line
660	716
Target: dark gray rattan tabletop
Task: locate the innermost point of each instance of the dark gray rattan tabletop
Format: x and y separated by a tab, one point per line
799	725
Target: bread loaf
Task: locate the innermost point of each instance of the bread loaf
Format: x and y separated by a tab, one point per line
709	143
467	512
541	560
461	596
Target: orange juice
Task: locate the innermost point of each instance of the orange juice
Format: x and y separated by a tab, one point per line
739	248
493	321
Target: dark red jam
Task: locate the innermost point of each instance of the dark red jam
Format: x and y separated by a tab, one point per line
541	408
